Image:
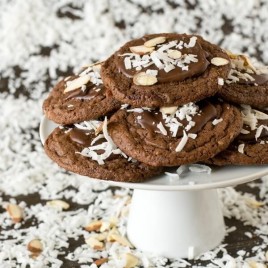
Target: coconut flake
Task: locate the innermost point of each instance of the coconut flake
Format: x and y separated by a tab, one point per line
259	131
152	72
192	136
76	83
172	177
156	60
182	142
106	134
127	63
220	81
216	121
241	148
169	67
124	106
200	168
138	110
182	169
162	128
191	43
244	131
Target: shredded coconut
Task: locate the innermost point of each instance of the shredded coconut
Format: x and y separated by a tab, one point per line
199	168
251	116
220	81
108	147
241	148
182	142
216	121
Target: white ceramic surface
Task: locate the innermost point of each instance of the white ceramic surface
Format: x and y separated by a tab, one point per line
182	218
177	224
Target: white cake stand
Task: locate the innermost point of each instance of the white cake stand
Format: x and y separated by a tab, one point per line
178	218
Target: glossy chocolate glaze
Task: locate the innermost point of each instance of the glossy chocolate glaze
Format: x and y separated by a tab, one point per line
90	92
177	74
150	119
260	79
82	137
251	135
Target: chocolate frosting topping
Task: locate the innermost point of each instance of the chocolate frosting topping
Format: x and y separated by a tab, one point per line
259	79
90	92
193	67
251	135
150	119
82	137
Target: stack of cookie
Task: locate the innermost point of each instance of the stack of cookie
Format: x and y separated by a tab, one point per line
162	100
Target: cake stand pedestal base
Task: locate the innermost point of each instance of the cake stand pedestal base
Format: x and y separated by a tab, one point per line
175	224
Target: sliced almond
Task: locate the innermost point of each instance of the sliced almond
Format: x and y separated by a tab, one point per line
35	246
77	83
247	62
113	221
58	204
15	212
266	255
131	260
141	50
143	79
67	78
218	61
155	41
105	226
101	236
93	64
111	233
231	54
253	203
94	243
114	237
174	54
99	129
169	110
94	226
99	262
254	264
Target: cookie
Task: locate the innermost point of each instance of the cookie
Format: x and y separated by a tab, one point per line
165	69
84	150
251	145
173	136
80	97
246	83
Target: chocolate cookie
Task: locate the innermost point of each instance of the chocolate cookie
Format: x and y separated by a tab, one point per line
80	97
165	70
246	84
84	150
173	136
251	145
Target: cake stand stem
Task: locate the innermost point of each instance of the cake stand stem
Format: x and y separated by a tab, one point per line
175	224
